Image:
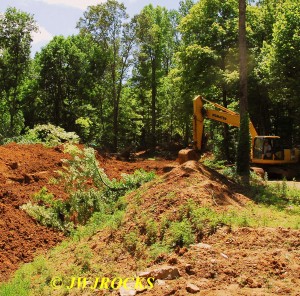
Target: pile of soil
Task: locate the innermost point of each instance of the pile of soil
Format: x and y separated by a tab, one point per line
189	181
24	170
241	261
244	261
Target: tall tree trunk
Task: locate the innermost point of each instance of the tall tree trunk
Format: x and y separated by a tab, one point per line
153	102
243	154
13	107
116	106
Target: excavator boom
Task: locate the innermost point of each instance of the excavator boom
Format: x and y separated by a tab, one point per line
226	116
266	151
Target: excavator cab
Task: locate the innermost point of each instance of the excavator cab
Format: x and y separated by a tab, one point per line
268	147
269	150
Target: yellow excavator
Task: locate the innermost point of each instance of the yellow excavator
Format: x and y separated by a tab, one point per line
267	152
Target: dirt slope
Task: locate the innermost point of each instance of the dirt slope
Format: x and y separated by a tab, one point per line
24	170
238	262
241	261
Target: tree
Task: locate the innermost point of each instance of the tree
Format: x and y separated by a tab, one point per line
67	72
243	153
107	24
279	71
15	39
209	54
155	49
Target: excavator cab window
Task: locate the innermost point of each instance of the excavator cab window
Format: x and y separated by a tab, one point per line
258	148
268	148
277	149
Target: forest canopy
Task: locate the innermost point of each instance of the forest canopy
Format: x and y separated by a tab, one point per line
125	81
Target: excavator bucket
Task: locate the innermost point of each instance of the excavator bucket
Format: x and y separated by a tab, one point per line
186	155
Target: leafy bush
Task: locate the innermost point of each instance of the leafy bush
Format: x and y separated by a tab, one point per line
47	134
89	189
49	211
179	234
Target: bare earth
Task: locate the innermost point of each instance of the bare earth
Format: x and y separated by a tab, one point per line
242	261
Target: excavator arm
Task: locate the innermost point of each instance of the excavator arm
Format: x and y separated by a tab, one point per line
222	115
225	115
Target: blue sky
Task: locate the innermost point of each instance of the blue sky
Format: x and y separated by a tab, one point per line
59	17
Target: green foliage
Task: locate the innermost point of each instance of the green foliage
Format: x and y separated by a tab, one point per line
179	234
83	83
89	190
278	67
208	59
131	241
151	231
51	135
154	31
46	134
48	211
108	26
85	125
214	164
83	255
21	287
16	28
157	250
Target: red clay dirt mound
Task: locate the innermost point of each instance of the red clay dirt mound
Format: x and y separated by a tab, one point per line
243	261
24	170
189	181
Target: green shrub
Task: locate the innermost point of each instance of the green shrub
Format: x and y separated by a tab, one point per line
131	241
157	250
89	189
214	164
47	134
179	234
151	232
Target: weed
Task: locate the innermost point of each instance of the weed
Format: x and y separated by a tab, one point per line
18	287
131	241
83	256
115	221
179	234
151	232
165	223
171	195
157	250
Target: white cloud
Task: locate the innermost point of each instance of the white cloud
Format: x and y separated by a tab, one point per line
81	4
41	36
